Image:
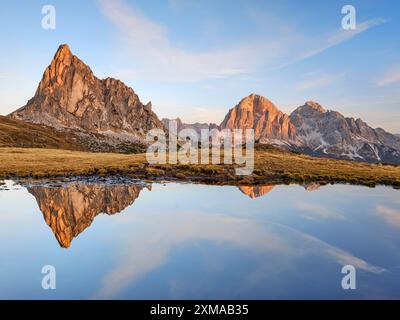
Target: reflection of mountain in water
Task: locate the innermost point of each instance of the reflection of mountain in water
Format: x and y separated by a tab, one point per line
258	191
311	186
70	209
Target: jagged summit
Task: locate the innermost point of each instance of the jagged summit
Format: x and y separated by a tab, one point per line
63	51
258	113
55	74
71	96
255	100
315	106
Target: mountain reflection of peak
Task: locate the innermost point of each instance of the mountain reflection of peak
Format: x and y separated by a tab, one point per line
70	209
258	191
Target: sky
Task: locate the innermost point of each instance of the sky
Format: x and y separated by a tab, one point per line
197	59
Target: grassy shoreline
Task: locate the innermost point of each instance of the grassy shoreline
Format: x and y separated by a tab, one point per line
271	167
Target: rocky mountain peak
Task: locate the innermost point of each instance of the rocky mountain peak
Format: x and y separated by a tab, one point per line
71	96
259	113
63	55
63	52
256	102
55	73
315	106
331	134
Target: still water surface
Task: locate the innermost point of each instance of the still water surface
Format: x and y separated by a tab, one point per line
186	241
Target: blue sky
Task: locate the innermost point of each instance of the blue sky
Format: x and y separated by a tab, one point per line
197	59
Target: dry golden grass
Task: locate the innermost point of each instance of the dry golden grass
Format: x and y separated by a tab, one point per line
271	166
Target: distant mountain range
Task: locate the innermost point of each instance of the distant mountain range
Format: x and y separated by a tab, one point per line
195	126
71	99
313	130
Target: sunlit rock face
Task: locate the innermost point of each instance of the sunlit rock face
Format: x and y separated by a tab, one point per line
71	209
258	113
256	191
71	96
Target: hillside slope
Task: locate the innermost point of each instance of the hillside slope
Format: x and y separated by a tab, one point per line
16	133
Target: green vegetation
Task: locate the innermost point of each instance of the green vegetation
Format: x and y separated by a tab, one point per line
271	166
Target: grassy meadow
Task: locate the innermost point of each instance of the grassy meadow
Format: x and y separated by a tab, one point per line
271	166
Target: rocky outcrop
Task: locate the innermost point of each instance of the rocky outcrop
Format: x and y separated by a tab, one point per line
256	112
329	133
70	209
71	96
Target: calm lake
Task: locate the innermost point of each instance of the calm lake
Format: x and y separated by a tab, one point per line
125	240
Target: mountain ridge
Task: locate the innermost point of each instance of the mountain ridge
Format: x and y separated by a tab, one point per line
105	113
313	130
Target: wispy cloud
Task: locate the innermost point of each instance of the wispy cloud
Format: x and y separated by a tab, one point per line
149	43
321	44
319	81
391	216
152	252
287	246
392	76
343	35
317	212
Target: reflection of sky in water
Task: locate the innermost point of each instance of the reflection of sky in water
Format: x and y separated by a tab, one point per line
194	241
